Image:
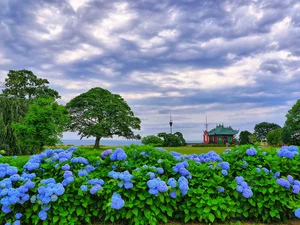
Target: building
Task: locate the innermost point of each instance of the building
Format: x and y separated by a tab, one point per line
219	135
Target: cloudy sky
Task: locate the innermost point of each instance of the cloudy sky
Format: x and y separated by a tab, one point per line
236	61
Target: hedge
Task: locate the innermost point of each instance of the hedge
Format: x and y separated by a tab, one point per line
147	185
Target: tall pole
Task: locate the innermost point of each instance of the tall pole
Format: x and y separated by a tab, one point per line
171	123
206	124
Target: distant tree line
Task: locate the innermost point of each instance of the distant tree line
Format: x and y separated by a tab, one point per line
165	140
274	134
30	117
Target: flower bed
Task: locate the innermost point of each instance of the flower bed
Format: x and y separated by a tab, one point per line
144	185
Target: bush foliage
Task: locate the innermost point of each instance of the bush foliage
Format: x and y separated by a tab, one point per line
147	185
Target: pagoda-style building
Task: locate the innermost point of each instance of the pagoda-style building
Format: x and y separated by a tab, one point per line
219	135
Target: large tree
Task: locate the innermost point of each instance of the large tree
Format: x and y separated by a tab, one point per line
262	129
24	84
43	124
99	113
244	137
11	110
292	125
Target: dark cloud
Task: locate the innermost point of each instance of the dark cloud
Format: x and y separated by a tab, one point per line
190	58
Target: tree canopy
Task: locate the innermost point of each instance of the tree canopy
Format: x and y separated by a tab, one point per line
24	84
43	124
11	110
262	129
291	133
274	137
152	140
244	137
99	113
172	140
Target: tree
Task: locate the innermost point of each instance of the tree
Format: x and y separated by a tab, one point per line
292	125
11	110
274	137
244	137
172	140
152	140
262	129
43	124
99	113
252	138
24	84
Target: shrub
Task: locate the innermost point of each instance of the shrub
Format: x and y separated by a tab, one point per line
147	185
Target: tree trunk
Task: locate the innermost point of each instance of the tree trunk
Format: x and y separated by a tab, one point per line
97	142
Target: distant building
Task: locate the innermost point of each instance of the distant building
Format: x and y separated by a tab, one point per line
219	135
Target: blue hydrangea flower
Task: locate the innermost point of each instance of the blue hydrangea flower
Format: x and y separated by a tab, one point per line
83	188
297	213
284	183
173	194
18	216
224	172
251	151
258	170
95	188
128	185
239	188
43	215
66	167
247	192
239	179
82	173
220	189
151	175
106	153
117	202
290	179
172	182
296	189
224	165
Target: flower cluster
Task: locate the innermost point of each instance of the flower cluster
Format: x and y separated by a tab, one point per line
80	160
156	185
118	154
211	156
290	182
225	166
117	202
183	185
182	169
106	153
251	151
124	176
68	178
243	187
97	185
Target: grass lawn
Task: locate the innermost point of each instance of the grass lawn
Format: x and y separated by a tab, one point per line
182	149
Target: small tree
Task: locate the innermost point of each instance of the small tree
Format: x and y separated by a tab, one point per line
152	140
262	129
24	84
43	124
172	140
292	125
274	137
244	137
99	113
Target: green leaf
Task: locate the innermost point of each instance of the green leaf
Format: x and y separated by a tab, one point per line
135	211
211	217
149	201
78	211
55	219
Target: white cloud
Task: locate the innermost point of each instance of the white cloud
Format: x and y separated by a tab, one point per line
81	52
76	4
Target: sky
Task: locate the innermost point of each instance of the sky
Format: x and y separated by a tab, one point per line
236	62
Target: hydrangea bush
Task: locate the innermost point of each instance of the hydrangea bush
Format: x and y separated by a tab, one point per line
147	185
